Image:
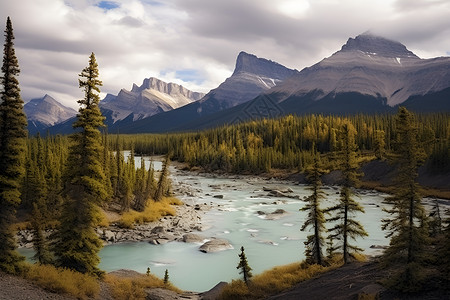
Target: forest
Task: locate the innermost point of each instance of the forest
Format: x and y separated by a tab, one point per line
63	183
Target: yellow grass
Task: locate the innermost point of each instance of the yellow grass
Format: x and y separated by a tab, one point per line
153	212
275	280
134	288
101	219
63	281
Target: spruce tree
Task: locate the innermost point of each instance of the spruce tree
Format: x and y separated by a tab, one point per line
407	226
315	219
347	227
12	152
246	271
163	188
166	277
77	245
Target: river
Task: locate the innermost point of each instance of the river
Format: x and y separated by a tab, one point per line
237	216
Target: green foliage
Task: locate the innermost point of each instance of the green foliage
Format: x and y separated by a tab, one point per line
287	142
347	227
166	277
407	226
164	187
315	219
76	245
12	149
245	269
40	244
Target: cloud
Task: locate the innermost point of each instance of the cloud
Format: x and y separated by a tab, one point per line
195	42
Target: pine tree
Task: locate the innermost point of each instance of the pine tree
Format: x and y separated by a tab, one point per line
77	245
246	271
315	219
407	226
346	226
40	244
166	277
140	187
163	188
12	152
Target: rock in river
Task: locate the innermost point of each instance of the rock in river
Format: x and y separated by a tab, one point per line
215	245
193	238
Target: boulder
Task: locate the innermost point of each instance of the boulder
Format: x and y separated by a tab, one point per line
215	245
158	229
193	238
109	236
279	213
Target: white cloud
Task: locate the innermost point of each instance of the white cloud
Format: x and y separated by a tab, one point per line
136	39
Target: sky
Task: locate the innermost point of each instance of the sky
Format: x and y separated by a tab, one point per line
195	42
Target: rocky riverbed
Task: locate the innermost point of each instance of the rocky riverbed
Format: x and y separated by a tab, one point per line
170	228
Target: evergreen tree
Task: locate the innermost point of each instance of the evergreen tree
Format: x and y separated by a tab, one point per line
380	144
407	226
140	187
435	222
315	219
77	245
166	277
163	188
347	227
40	244
246	271
12	152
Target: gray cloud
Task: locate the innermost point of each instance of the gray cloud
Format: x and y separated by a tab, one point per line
142	38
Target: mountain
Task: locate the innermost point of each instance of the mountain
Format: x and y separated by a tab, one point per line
152	97
252	76
45	112
369	74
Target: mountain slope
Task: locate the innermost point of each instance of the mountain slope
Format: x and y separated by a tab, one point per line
45	112
152	97
366	67
252	76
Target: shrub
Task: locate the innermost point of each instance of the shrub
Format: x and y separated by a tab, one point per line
60	280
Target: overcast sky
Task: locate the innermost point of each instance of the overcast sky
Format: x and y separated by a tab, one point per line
195	42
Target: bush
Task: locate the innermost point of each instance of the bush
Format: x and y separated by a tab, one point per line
153	212
60	280
134	288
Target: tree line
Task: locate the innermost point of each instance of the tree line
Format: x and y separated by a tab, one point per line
289	142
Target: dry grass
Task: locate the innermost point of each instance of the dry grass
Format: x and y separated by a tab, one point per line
134	288
425	191
275	280
63	281
153	212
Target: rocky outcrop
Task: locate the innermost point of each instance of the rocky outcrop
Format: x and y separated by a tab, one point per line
215	245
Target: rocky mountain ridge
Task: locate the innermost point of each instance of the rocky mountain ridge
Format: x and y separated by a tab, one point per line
152	97
372	66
